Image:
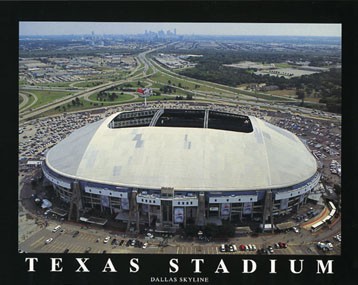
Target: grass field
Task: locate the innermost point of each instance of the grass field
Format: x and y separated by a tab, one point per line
69	108
92	83
121	98
22	82
291	93
90	105
284	92
45	97
30	101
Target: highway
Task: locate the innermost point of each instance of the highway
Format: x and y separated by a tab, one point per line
218	93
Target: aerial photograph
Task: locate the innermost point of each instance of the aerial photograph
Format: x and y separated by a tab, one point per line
179	138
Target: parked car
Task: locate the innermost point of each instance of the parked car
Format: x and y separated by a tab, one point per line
48	240
325	246
270	249
106	239
75	234
56	228
282	244
295	229
222	248
145	245
262	251
88	249
66	250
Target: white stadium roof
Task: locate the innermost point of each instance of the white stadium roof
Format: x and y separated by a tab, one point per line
198	159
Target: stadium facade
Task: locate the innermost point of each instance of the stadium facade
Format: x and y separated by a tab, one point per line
171	168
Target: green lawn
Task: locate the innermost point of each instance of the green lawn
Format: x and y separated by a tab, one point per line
46	96
22	82
284	65
90	105
31	99
89	83
121	98
70	108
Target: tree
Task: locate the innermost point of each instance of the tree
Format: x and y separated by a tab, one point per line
227	229
301	95
191	230
211	230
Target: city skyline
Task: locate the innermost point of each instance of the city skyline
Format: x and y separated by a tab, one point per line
45	28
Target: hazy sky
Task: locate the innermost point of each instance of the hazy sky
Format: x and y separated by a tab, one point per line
72	28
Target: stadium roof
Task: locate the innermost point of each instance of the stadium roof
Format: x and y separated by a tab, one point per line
199	159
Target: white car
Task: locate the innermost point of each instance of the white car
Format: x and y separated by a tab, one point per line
106	239
56	228
48	240
145	245
325	246
295	229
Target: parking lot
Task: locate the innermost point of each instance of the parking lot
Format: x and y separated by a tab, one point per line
91	240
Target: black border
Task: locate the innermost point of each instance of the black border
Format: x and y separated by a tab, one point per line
14	267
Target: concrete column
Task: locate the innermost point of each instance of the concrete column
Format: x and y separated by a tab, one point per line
76	200
271	213
268	207
200	215
161	214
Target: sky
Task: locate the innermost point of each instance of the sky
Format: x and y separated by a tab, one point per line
105	28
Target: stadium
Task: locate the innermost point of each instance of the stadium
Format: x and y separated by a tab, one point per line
168	168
